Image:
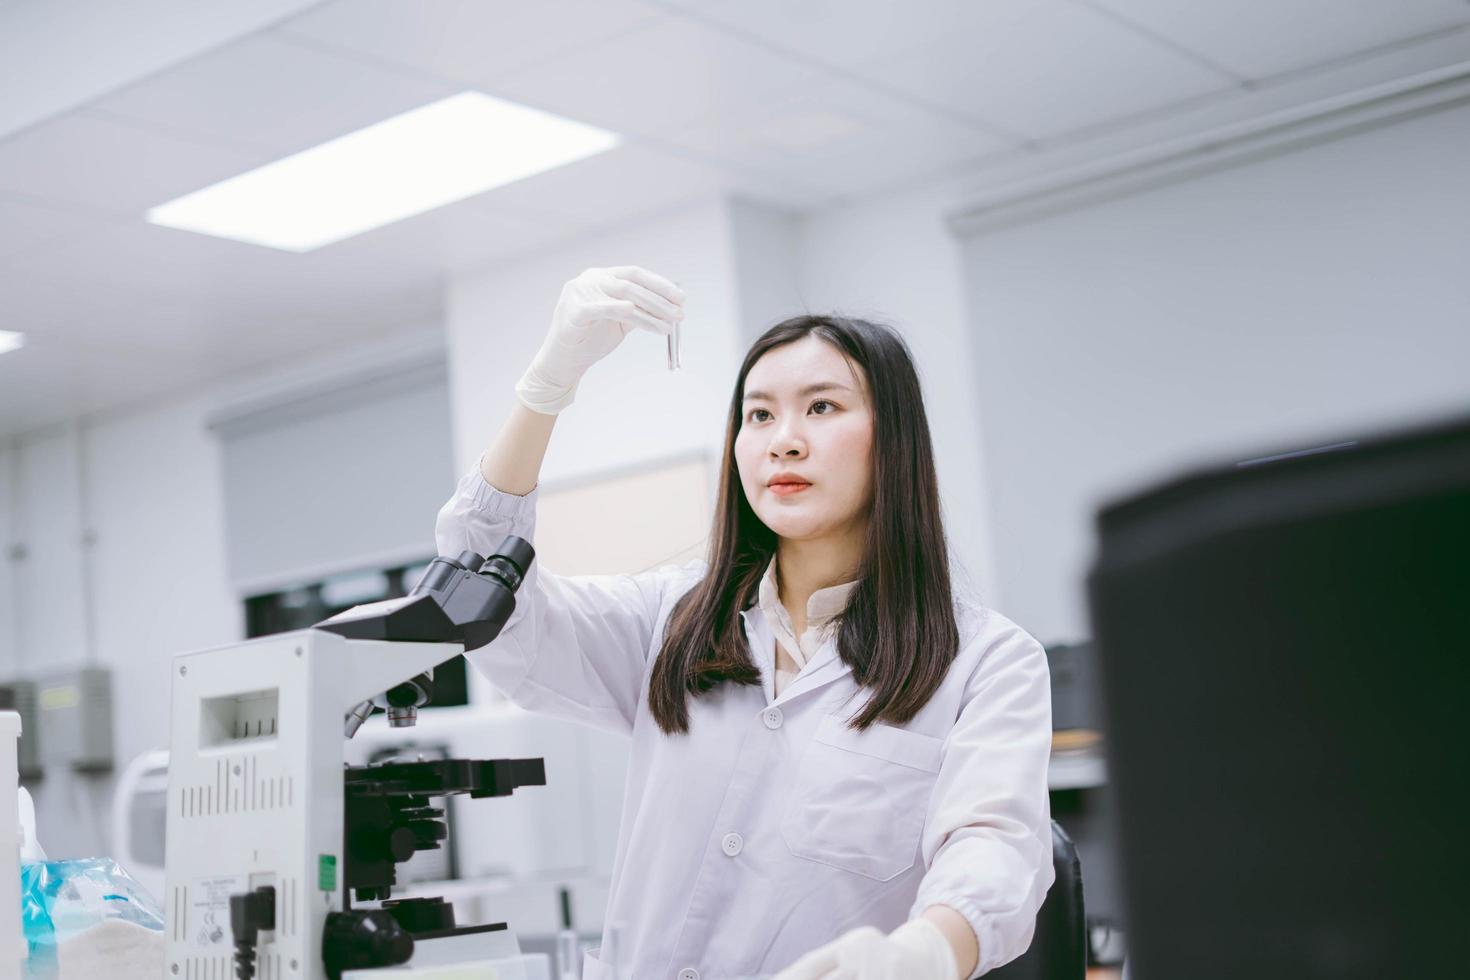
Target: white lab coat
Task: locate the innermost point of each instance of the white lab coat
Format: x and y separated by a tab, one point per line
771	828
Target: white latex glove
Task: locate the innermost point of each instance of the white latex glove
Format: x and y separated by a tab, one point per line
916	950
596	311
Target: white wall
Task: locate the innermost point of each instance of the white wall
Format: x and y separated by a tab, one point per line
157	577
629	410
50	613
766	245
9	478
1285	301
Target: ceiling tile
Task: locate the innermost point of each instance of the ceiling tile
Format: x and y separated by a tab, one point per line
1045	68
237	285
846	33
265	92
473	41
55	56
151	261
25	224
628	180
112	166
63	311
657	78
223	329
1266	37
840	137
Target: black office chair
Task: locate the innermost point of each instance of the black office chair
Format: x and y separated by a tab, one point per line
1059	947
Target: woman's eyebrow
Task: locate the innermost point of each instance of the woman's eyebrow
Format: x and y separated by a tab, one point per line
808	390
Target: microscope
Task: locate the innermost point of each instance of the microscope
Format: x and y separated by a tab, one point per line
272	838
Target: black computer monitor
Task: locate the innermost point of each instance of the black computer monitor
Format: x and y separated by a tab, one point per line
1284	650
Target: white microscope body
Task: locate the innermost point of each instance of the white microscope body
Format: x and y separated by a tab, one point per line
257	799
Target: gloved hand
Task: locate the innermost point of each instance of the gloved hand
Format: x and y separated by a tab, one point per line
595	312
916	950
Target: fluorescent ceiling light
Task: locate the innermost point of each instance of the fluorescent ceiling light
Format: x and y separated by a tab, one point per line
427	157
10	340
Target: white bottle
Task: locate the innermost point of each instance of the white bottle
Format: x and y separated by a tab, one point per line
12	938
30	847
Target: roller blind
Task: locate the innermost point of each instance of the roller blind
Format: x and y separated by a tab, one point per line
336	480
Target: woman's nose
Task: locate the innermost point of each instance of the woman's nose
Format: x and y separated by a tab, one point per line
787	444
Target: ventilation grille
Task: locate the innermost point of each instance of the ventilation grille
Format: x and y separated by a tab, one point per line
267	967
237	787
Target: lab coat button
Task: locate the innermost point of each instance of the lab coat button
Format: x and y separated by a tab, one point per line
732	844
772	718
689	973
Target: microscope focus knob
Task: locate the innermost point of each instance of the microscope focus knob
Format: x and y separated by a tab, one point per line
362	939
402	843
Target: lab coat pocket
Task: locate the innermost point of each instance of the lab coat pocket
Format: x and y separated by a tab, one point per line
859	799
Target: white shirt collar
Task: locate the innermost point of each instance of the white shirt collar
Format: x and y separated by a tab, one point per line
823	606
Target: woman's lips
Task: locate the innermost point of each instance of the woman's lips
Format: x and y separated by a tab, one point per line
787	489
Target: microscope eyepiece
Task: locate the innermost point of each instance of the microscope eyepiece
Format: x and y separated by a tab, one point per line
504	571
517	551
464	599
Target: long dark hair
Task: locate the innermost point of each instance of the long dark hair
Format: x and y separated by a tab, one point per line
898	631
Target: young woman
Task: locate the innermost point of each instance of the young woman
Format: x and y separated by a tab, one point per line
838	767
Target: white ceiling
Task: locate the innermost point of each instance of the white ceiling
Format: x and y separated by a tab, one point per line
803	103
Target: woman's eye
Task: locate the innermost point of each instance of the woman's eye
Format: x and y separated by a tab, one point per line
754	414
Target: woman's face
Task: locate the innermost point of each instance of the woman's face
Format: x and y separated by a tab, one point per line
806	413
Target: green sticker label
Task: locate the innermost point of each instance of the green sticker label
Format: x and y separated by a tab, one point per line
326	872
56	698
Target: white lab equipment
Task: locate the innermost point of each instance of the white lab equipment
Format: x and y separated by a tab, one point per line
257	799
139	812
511	856
12	831
272	838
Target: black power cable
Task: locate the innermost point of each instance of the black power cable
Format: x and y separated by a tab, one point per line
250	914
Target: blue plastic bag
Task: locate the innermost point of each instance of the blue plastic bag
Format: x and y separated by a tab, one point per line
61	900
